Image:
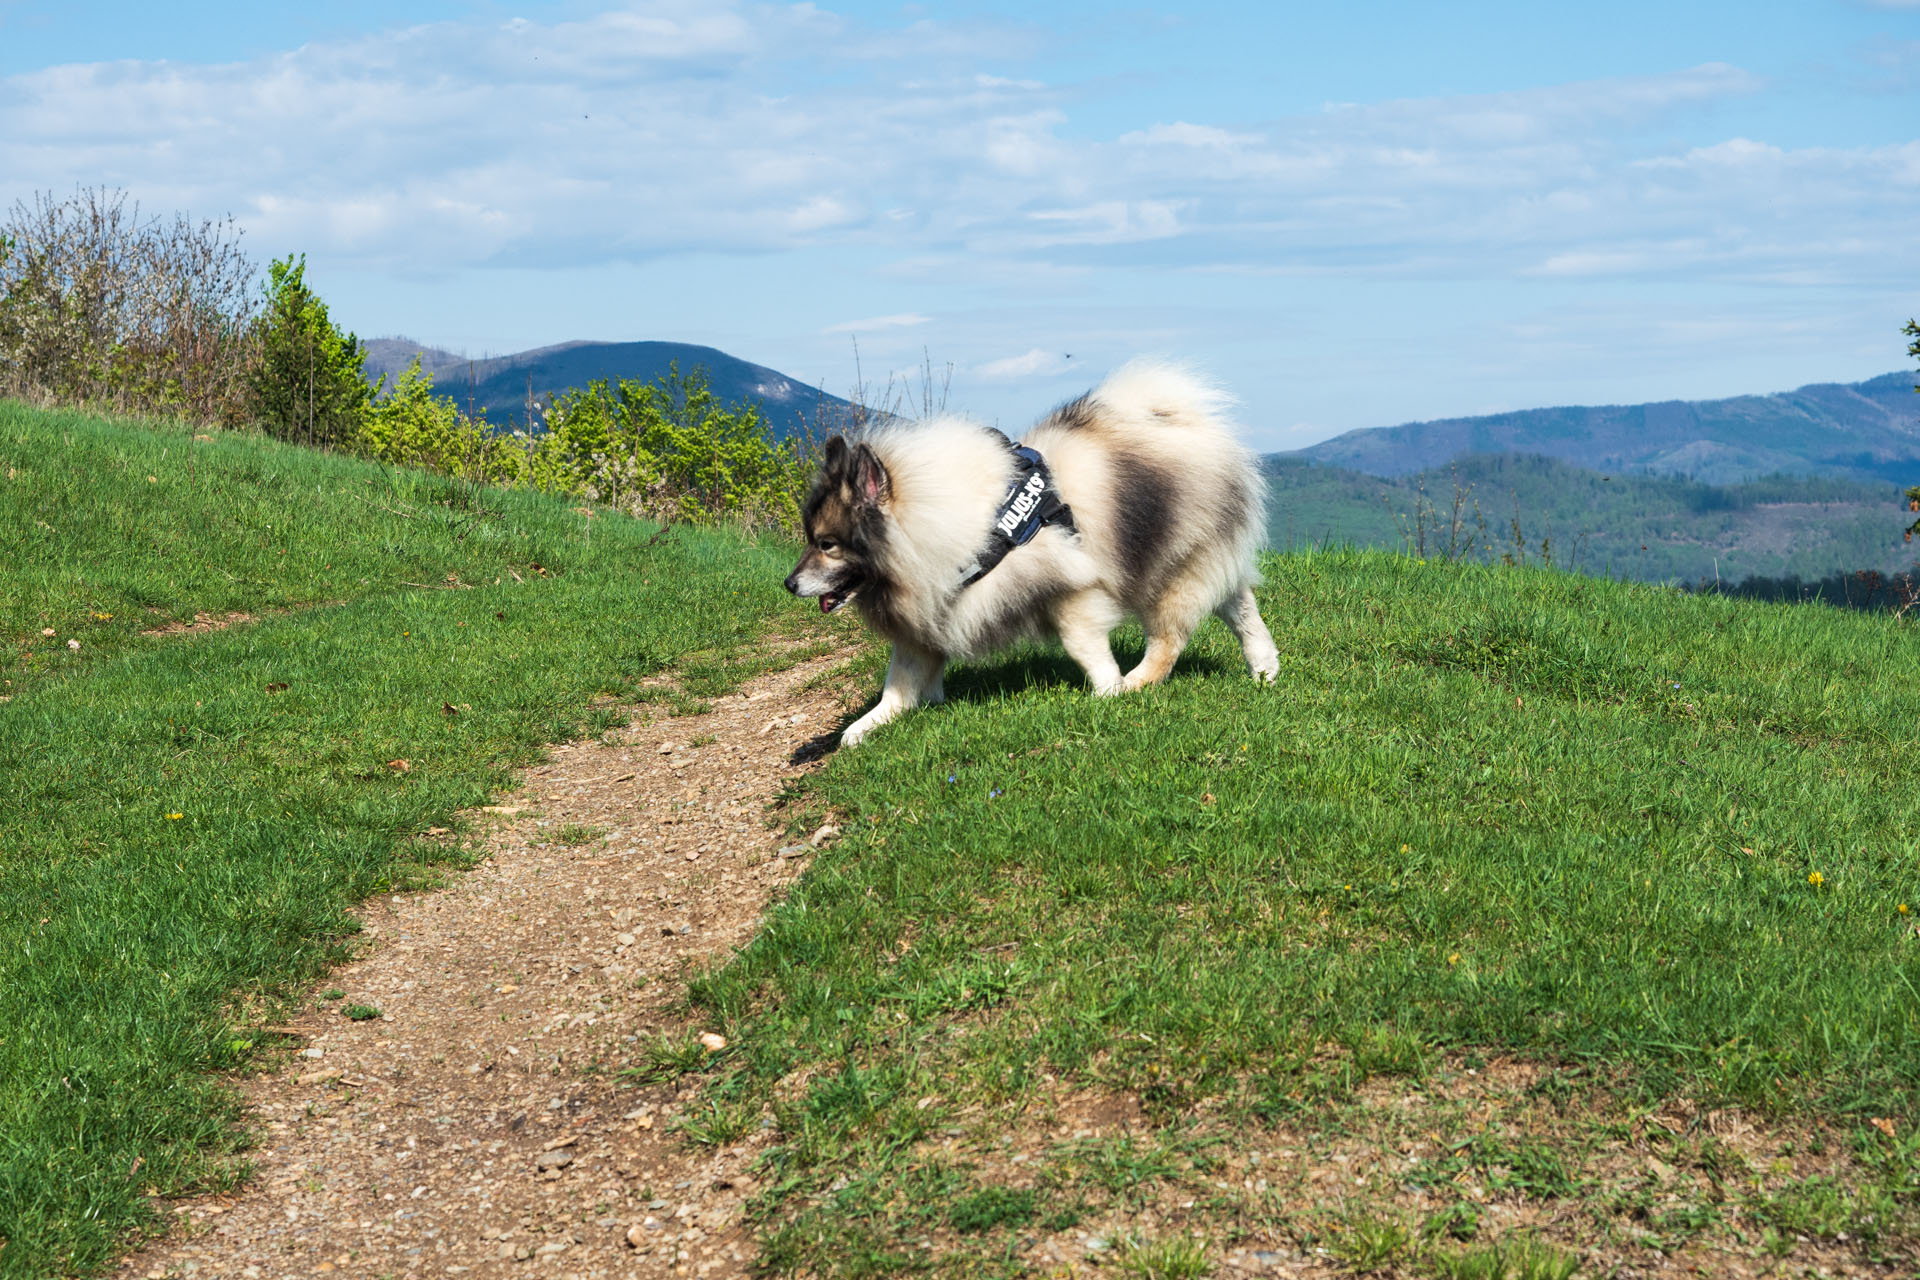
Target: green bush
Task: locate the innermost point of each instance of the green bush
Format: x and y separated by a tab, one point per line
671	451
309	383
412	427
101	308
667	450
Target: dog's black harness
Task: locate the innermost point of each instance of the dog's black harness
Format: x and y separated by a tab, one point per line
1032	503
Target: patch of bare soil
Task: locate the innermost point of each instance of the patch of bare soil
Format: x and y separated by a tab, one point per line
476	1124
201	622
1648	1193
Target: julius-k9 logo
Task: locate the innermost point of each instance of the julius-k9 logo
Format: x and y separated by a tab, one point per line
1023	504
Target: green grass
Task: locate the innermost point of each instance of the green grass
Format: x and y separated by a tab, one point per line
1657	844
190	816
1659	839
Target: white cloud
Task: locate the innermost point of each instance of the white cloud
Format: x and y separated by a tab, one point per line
1182	134
685	130
1032	364
875	324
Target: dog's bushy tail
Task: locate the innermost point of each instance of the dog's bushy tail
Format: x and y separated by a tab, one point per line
1164	393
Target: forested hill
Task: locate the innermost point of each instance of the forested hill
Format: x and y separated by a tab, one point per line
1650	528
1865	430
501	385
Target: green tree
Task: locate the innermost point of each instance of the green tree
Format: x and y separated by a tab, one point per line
310	383
1913	495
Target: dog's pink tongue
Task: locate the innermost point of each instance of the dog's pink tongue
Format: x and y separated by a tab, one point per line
826	604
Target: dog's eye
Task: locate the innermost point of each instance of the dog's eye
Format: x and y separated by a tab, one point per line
826	544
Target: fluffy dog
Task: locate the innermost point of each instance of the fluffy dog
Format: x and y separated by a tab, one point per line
1166	512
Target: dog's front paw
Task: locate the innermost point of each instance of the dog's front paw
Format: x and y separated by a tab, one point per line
853	734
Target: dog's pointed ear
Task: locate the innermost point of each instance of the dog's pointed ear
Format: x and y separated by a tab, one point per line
834	457
871	484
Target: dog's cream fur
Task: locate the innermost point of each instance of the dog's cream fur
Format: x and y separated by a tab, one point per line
1168	509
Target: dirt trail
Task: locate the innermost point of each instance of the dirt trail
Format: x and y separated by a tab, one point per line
475	1127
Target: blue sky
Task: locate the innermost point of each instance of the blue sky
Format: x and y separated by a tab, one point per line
1351	215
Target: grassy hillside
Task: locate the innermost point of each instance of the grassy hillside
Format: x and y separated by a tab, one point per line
190	814
1864	430
1661	846
1647	528
1410	961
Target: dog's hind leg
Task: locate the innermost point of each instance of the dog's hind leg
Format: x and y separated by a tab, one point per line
1242	613
1164	646
1083	621
1169	621
911	672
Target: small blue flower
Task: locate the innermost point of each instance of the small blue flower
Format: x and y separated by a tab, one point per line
949	777
994	794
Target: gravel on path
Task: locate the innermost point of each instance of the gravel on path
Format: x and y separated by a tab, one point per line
477	1125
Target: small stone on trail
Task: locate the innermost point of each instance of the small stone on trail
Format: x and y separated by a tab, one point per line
666	748
554	1161
624	939
824	834
792	850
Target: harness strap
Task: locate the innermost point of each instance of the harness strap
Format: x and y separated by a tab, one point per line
1032	503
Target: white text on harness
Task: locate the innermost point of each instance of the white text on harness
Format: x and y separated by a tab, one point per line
1023	504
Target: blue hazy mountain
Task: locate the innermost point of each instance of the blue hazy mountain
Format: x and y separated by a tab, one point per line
501	386
1865	430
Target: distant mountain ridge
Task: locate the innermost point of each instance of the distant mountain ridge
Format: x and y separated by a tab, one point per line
1865	430
500	386
1651	528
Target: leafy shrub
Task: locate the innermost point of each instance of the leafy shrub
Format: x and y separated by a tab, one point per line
309	383
666	450
669	450
101	307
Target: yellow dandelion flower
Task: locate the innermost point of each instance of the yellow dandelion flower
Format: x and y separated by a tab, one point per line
1816	879
1406	848
174	817
1903	908
1454	958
